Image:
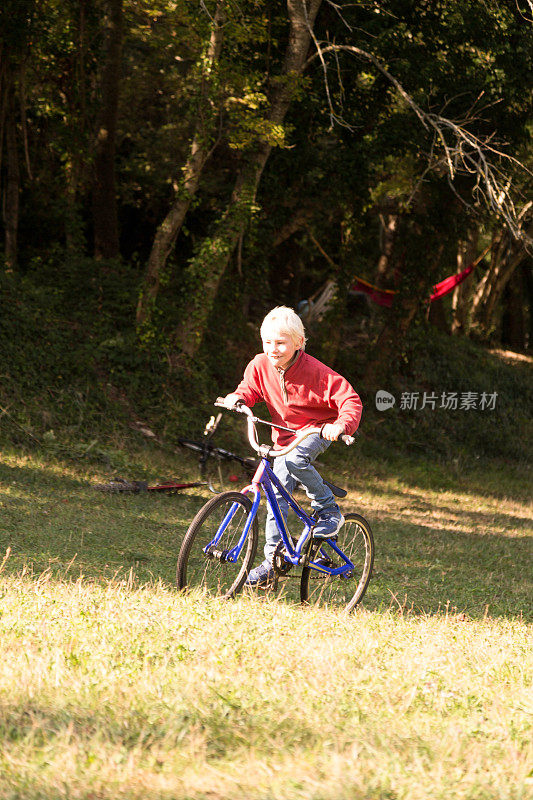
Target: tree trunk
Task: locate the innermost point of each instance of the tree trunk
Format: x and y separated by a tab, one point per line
485	287
299	220
12	190
387	238
506	256
387	268
462	294
105	216
206	269
169	229
77	169
514	331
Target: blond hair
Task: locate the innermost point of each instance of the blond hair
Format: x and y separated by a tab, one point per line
285	320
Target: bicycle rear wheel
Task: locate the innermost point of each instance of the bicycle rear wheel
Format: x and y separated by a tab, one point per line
209	570
355	540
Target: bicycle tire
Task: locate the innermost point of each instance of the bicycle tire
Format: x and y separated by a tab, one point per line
213	575
355	539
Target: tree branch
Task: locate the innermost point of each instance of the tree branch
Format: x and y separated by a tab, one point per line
464	154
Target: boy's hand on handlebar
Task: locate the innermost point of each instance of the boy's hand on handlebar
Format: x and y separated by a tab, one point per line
229	401
331	431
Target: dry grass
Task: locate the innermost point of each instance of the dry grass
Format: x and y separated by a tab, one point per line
115	691
116	687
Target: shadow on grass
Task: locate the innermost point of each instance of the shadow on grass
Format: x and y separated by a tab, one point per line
51	524
39	477
428	572
101	728
489	478
427	513
425	570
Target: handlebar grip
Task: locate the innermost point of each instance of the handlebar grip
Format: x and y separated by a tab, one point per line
239	405
344	437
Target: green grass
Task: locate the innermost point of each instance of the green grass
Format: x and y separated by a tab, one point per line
114	686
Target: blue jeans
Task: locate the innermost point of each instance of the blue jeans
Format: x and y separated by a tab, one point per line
297	467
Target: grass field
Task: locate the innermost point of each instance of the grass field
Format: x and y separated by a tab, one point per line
113	686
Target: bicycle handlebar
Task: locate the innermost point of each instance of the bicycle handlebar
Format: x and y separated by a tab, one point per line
241	408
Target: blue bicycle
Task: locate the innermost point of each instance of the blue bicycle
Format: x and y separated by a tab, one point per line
220	545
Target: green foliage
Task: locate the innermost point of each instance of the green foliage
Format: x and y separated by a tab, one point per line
73	369
395	182
74	373
70	355
436	363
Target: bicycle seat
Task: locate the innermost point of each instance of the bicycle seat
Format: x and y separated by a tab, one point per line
337	491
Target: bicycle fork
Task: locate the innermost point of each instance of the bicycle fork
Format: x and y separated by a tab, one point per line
211	551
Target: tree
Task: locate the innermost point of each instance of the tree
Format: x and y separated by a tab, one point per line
104	200
463	151
507	255
16	20
199	152
207	267
462	296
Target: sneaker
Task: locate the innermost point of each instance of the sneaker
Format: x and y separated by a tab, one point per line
261	575
328	524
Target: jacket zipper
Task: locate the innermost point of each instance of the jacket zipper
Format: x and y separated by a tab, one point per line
281	373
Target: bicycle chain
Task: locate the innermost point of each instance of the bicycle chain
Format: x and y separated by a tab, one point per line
279	565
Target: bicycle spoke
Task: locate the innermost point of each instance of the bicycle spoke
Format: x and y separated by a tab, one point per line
204	559
356	543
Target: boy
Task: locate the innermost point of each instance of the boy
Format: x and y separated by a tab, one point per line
300	392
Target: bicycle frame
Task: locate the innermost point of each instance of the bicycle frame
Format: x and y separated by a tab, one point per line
264	479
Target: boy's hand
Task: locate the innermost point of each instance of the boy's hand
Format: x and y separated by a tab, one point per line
331	431
231	400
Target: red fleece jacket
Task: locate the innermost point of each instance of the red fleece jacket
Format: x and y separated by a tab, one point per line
306	394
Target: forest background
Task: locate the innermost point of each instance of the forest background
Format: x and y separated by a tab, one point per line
172	169
169	171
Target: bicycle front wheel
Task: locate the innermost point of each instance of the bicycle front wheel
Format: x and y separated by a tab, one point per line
356	542
206	560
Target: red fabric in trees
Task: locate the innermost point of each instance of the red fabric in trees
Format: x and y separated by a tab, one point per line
385	297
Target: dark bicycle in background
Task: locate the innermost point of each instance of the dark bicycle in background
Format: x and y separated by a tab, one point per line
218	467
